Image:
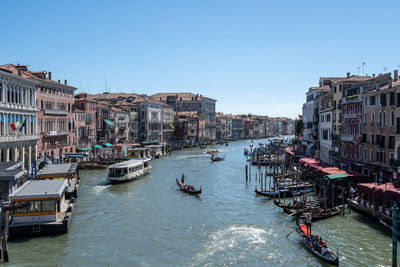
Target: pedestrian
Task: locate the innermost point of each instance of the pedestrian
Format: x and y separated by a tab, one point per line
308	223
183	178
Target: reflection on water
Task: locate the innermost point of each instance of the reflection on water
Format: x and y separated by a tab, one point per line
149	222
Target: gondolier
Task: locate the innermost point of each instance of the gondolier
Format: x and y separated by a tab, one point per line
183	178
308	222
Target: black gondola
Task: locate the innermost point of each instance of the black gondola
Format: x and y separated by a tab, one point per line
188	188
217	158
320	214
329	256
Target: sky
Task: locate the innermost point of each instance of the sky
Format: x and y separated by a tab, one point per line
256	57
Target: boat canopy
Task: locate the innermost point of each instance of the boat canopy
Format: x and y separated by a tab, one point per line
40	189
108	122
108	144
336	176
97	146
84	148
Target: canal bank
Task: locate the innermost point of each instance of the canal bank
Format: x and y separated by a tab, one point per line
149	222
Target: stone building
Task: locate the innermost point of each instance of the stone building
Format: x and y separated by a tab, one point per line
85	121
325	126
18	102
204	106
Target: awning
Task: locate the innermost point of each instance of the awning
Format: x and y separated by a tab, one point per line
97	146
108	144
76	154
84	148
336	176
108	122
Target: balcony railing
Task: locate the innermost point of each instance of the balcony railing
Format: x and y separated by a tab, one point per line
55	112
351	99
17	106
56	133
348	138
16	138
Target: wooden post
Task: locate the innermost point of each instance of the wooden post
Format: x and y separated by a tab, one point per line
333	194
343	198
250	171
247	173
394	235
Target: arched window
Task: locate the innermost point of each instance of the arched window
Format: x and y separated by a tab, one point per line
380	119
41	104
372	118
365	119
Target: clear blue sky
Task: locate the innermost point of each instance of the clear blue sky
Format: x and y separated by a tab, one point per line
255	57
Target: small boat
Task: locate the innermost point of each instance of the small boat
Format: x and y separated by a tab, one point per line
188	188
329	256
128	170
320	214
203	145
217	158
91	166
212	152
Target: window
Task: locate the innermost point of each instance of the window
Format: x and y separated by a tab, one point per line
372	118
380	119
365	119
382	99
371	155
384	118
372	100
398	100
364	138
392	118
372	139
391	142
365	101
391	98
328	117
48	205
398	125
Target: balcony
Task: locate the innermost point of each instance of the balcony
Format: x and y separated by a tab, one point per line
55	112
348	138
17	138
352	99
17	106
350	116
55	133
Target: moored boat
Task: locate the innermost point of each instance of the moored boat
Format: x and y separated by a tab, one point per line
328	256
128	170
188	188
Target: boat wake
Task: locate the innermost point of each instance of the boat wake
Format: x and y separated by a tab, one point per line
99	189
235	244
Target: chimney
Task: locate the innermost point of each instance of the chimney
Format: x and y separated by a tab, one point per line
377	85
373	75
49	75
65	82
390	83
19	71
348	75
59	81
395	75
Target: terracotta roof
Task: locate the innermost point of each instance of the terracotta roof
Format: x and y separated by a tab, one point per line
115	95
184	96
26	73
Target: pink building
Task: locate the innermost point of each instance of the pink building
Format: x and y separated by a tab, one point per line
55	117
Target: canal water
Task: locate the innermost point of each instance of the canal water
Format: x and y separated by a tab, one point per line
150	223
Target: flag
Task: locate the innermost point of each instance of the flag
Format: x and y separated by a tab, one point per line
13	127
23	124
172	126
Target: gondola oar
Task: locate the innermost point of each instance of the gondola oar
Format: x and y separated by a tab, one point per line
290	232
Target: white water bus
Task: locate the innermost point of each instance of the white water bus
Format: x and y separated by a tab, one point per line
128	170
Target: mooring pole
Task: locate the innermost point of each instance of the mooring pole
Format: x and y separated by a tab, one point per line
394	235
247	173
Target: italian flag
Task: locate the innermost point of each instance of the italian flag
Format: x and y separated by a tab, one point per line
18	125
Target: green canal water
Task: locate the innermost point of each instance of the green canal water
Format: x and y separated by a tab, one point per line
150	223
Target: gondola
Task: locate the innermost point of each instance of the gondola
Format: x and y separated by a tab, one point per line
203	145
184	187
217	158
273	193
329	256
319	214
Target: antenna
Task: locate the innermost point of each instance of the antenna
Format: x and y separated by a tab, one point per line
363	64
358	71
384	69
105	82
